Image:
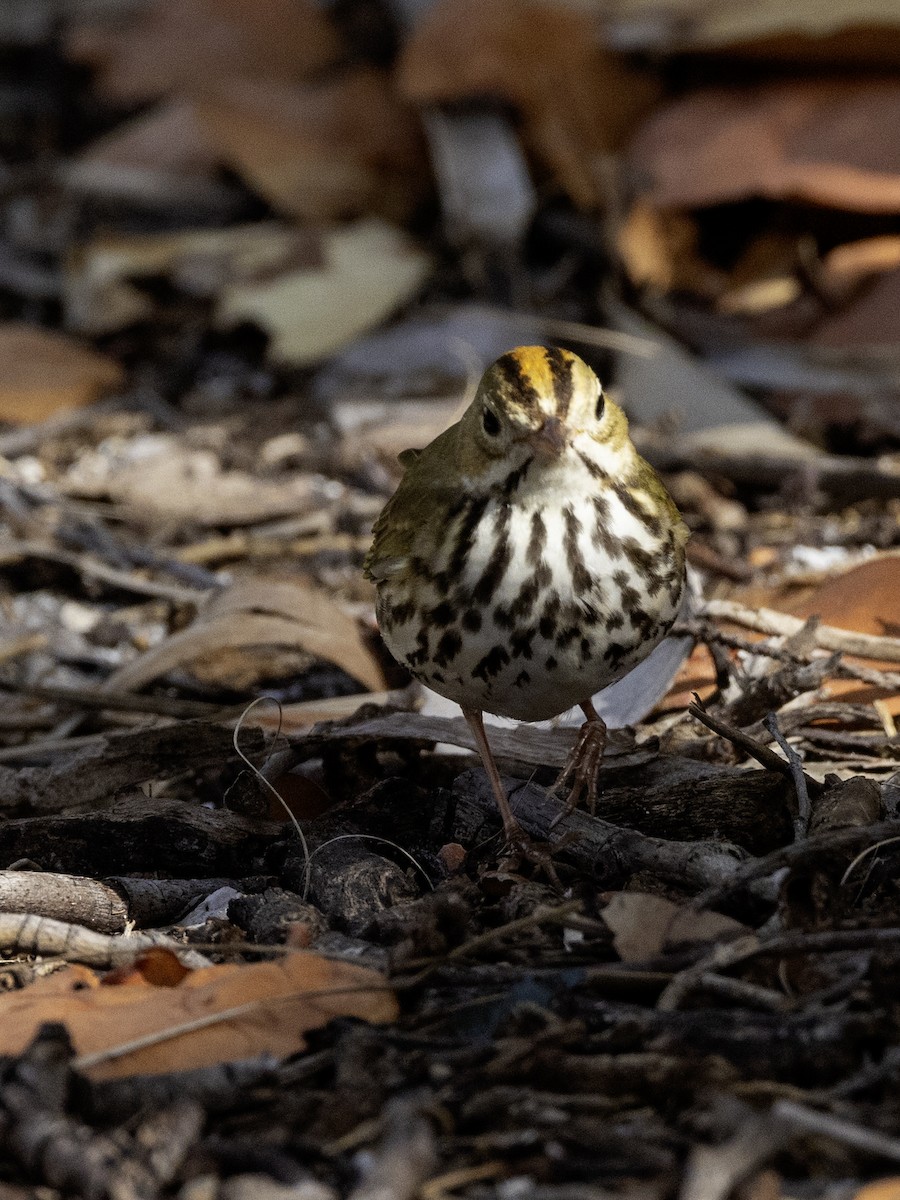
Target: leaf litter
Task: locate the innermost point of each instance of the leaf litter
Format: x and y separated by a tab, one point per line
233	289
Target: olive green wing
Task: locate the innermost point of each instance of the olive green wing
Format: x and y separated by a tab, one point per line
660	499
414	509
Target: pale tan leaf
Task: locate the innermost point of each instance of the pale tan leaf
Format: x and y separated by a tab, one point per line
643	925
255	614
370	268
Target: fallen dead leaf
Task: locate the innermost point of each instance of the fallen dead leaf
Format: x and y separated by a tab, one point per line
863	599
643	925
162	158
99	293
43	372
332	149
157	479
881	1189
578	100
370	268
159	967
660	250
188	45
284	1000
260	612
833	142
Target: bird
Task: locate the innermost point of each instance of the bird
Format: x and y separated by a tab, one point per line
528	558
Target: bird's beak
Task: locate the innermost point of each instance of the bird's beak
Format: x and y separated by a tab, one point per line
548	441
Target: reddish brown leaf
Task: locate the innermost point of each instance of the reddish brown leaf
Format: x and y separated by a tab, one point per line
283	1000
578	100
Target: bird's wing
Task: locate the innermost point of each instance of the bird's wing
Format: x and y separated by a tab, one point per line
409	514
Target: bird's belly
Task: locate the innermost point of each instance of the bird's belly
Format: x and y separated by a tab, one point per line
526	632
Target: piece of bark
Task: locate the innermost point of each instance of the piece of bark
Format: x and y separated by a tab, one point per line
23	933
155	902
603	850
529	745
768	694
214	1088
54	1147
683	800
142	835
847	803
351	883
71	898
269	918
119	761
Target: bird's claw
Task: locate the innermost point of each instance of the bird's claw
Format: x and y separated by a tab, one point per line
583	763
520	847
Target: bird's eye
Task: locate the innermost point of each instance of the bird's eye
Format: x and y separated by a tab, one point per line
601	404
490	422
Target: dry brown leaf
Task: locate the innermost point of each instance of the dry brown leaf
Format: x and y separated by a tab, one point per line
286	998
834	142
43	372
578	100
260	612
370	268
881	1189
332	149
863	599
162	158
643	925
189	45
168	137
868	323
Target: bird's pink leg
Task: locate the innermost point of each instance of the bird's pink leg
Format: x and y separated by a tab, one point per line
515	835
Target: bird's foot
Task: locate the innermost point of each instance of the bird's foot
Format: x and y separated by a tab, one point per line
521	847
582	766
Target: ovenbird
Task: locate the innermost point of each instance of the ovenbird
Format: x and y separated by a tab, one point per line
529	557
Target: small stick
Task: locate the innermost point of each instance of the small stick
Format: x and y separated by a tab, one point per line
808	1120
789	856
764	756
804	809
826	637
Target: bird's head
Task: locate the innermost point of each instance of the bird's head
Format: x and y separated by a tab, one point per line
540	403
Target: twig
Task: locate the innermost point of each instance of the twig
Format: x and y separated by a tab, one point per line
808	1120
804	809
86	696
764	756
540	916
827	637
29	934
834	840
727	955
600	847
85	564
